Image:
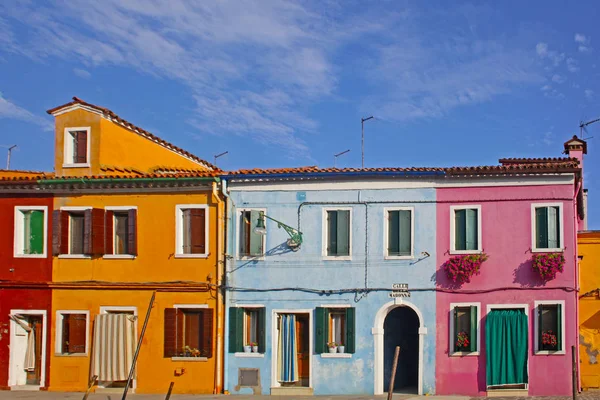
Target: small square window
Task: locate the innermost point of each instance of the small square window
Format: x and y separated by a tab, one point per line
547	229
188	332
191	230
76	147
549	327
251	328
465	225
338	233
76	233
30	231
464	329
251	244
399	233
337	326
72	332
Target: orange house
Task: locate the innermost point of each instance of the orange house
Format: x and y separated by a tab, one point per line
137	254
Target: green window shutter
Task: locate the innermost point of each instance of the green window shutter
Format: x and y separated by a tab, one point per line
540	310
553	226
262	327
460	228
474	324
393	233
343	233
322	331
471	229
559	333
256	240
36	239
236	329
541	228
332	246
455	323
405	233
350	330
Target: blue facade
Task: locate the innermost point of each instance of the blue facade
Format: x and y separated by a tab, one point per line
306	277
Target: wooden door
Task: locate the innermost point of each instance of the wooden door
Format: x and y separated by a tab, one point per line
302	330
34	377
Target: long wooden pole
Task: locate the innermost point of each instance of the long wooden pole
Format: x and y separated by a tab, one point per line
573	356
393	377
170	390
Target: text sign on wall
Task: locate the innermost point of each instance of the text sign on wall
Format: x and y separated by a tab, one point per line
400	290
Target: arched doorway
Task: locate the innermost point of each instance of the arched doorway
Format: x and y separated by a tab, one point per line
401	328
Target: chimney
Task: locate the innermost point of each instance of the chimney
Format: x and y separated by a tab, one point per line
576	148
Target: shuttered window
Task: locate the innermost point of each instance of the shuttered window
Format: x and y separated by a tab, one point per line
73	333
78	232
247	328
338	233
550	335
121	232
466	229
251	244
188	332
547	227
399	233
464	334
79	146
30	231
192	235
335	325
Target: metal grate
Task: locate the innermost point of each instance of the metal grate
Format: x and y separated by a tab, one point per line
248	377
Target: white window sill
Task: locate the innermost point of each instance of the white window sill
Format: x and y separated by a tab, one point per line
399	257
336	355
547	250
70	355
337	258
118	257
75	256
191	255
465	252
249	355
80	165
464	353
30	255
550	353
190	359
252	258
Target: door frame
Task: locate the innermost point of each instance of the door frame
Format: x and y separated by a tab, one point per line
106	310
13	326
274	337
525	307
378	331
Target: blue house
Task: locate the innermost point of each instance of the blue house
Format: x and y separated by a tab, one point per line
327	272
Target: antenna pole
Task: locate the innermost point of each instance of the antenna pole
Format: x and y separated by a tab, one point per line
362	145
219	155
10	149
335	156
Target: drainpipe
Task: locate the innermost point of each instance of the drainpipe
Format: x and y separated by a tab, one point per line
228	209
577	288
219	348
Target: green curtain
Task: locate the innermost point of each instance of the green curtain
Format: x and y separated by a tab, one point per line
506	347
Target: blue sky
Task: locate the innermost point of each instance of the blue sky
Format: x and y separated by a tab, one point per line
280	83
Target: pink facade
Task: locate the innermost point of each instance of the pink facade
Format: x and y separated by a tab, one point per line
507	277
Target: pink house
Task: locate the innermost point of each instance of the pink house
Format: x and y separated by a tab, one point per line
508	329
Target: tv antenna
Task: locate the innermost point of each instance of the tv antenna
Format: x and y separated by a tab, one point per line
335	156
583	128
10	149
362	123
219	155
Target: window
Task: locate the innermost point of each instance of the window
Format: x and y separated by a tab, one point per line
76	147
30	231
399	227
465	229
547	229
550	326
192	226
188	332
246	326
251	244
335	324
78	231
337	237
72	330
464	328
121	231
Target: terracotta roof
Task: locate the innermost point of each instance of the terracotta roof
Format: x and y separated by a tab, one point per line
527	168
124	170
21	171
315	169
36	178
576	142
507	161
110	114
173	170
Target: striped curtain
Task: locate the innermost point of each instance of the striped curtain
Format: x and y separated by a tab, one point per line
287	349
114	345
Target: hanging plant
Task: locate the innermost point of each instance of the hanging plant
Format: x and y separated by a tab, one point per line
462	268
548	264
462	341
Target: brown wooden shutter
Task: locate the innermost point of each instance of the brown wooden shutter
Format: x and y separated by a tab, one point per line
56	232
87	232
80	147
186	234
109	219
170	339
97	231
207	330
65	333
77	333
198	231
64	232
132	232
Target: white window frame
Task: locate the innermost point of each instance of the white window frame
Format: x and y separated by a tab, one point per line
562	350
250	355
453	209
118	256
237	236
59	326
74	209
451	330
19	243
561	228
324	236
179	230
68	147
386	211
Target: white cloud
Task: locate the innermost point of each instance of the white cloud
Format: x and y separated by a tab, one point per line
557	78
583	42
12	111
580	38
542	49
575	85
548	138
584	49
553	56
589	94
545	88
82	73
572	65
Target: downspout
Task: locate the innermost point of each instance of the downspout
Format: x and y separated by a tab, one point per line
577	288
220	232
227	218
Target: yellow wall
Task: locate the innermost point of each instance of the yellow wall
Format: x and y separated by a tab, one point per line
113	145
589	307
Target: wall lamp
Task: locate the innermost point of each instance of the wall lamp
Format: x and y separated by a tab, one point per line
295	239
